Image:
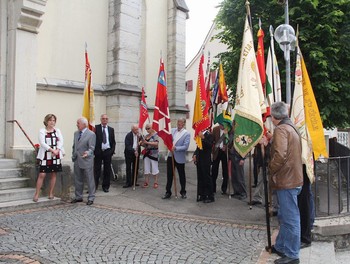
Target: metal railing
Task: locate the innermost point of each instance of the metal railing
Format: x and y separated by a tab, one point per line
331	188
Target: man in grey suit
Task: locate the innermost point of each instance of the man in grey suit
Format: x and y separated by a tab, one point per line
181	142
83	158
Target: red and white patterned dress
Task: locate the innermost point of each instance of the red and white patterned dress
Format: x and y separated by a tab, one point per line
50	162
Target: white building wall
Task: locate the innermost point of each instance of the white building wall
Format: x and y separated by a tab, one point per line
67	26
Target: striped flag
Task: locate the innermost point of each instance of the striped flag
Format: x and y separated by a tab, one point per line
222	112
249	98
273	82
143	110
89	99
161	117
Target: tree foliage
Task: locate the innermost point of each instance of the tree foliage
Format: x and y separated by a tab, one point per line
324	39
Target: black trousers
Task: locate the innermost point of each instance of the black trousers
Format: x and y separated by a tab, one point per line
215	170
304	203
130	169
170	177
106	158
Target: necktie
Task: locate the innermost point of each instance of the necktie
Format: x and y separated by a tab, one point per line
104	138
80	133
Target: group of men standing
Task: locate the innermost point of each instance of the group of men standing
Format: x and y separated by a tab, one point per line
285	168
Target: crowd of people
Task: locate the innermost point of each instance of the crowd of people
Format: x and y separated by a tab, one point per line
279	151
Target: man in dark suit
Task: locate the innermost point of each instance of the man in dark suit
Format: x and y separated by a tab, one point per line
83	158
219	155
104	150
202	159
132	153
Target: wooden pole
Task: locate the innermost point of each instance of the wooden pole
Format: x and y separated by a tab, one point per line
135	171
174	175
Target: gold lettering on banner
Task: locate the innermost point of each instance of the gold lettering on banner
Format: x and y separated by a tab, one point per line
245	52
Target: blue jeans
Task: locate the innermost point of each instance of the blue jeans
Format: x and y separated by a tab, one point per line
288	238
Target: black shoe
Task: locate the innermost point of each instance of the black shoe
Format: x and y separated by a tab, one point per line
105	190
287	260
127	186
254	203
275	251
89	202
254	186
137	184
166	196
305	245
200	198
183	196
209	200
275	213
76	200
242	197
223	193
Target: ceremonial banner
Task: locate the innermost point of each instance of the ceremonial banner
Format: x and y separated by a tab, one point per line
273	82
161	117
222	113
89	99
143	110
200	120
312	116
298	118
249	98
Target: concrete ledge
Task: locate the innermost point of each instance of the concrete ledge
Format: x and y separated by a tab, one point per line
332	226
335	229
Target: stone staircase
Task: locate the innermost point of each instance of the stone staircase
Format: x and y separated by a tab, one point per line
15	192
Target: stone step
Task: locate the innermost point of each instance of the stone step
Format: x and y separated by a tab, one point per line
16	194
8	163
319	252
10	173
28	204
13	183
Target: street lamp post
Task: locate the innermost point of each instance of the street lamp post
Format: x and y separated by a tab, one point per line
285	37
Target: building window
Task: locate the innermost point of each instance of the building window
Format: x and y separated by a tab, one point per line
189	86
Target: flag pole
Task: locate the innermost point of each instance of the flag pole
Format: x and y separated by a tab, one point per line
174	176
135	171
267	203
250	180
229	176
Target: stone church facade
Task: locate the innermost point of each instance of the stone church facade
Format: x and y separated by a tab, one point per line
42	64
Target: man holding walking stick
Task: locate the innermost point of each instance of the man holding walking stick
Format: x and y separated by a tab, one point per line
132	153
177	158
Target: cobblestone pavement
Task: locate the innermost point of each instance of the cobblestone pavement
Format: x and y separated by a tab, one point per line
105	234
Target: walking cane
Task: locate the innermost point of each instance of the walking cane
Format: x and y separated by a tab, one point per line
267	204
174	176
135	171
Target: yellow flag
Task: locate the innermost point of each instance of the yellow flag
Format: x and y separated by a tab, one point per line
312	116
200	120
89	99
